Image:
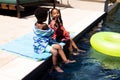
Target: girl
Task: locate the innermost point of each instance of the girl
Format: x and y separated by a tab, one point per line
60	33
43	41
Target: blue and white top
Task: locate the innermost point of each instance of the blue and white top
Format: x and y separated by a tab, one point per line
42	38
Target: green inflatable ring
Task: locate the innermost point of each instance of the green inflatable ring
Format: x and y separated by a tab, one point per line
107	43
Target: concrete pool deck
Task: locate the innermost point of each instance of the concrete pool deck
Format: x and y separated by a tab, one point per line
15	67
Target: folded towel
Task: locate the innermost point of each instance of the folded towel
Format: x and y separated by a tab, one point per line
24	47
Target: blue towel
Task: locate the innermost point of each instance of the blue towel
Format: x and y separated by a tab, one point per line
24	47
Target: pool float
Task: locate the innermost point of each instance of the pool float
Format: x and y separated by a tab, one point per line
107	43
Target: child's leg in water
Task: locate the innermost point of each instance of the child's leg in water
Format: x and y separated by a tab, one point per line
77	50
56	49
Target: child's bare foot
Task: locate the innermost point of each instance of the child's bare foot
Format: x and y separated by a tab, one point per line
78	50
58	69
75	53
70	61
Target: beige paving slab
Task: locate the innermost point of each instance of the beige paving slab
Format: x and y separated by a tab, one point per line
12	28
76	20
93	5
6	57
19	68
4	77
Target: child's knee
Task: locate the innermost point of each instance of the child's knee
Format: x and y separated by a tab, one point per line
57	46
54	52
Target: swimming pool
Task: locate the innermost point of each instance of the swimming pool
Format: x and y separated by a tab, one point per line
87	67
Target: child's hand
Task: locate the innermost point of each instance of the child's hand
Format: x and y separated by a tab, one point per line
53	23
64	40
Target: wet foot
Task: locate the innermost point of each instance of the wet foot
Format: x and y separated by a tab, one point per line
78	51
58	69
70	61
75	53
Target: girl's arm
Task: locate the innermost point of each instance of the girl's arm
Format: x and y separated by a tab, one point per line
52	24
66	34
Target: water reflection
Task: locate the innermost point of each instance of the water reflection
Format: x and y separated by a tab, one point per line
113	21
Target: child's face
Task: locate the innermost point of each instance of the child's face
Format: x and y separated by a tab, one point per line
55	13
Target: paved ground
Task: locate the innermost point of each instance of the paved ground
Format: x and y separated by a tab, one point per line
94	5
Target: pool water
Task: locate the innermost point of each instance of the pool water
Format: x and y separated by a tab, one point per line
87	68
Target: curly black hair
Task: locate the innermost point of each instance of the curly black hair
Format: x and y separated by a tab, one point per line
41	14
